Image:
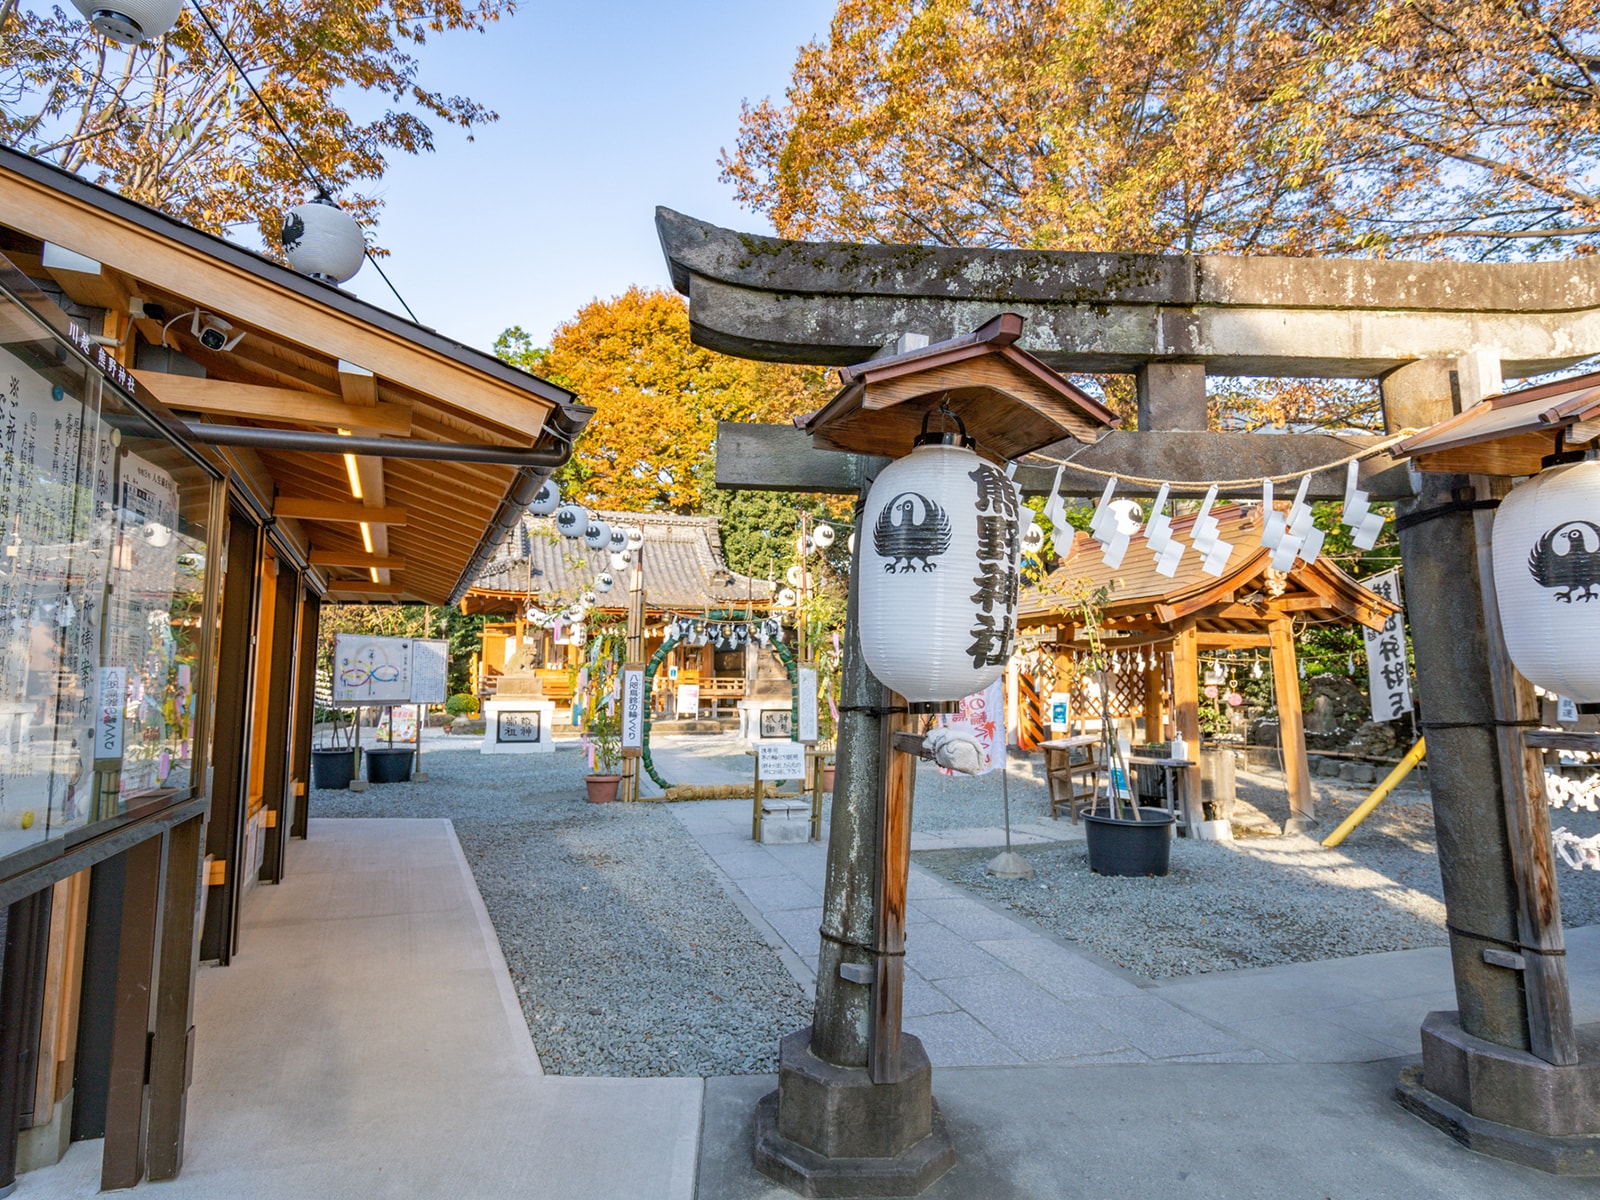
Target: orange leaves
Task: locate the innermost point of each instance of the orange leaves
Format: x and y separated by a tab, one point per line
659	398
1232	126
172	125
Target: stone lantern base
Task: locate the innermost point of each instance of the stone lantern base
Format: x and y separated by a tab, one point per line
830	1131
1505	1102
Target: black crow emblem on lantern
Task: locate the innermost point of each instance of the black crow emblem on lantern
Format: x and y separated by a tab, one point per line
911	529
1568	558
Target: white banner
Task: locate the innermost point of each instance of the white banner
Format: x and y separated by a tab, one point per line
806	682
1388	677
632	710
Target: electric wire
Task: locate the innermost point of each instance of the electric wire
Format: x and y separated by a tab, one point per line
310	174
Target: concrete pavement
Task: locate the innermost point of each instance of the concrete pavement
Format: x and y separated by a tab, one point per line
367	1043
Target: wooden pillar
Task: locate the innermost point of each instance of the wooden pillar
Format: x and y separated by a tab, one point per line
1538	911
122	1159
1155	700
305	707
889	944
1186	705
172	1044
1291	725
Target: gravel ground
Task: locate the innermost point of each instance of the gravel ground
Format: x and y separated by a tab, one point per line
627	954
1256	901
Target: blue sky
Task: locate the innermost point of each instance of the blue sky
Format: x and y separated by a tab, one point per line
607	109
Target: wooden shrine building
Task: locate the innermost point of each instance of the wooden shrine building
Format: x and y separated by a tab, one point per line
535	574
1173	620
179	500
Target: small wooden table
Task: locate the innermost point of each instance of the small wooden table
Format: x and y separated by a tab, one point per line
1178	800
1073	764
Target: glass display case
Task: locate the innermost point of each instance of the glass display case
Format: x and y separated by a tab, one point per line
104	553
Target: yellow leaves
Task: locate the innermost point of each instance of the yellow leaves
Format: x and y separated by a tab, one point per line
1190	125
659	398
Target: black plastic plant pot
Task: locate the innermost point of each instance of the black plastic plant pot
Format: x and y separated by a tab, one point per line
1124	846
332	768
389	766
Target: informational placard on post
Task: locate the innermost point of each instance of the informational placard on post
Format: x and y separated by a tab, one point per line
1566	710
1060	711
109	705
1388	677
371	670
430	666
689	700
632	710
806	682
781	760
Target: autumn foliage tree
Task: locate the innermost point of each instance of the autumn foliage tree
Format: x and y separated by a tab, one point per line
659	398
172	125
1352	127
1196	126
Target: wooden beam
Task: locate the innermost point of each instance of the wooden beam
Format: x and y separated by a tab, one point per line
154	256
1230	641
356	558
354	587
84	280
358	385
1186	707
349	512
1291	726
781	458
221	397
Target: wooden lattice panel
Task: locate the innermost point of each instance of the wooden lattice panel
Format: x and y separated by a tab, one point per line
1127	688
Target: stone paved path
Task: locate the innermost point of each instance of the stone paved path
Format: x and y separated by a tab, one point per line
987	988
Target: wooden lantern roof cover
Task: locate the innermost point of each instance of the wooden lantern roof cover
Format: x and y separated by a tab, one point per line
1010	401
684	569
314	357
1511	433
1243	599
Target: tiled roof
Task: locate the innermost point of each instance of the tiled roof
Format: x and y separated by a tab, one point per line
683	565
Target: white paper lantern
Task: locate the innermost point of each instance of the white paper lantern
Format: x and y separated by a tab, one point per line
786	598
823	535
547	499
1547	579
1033	540
940	571
130	22
635	538
603	582
587	600
572	521
323	241
619	562
619	540
598	535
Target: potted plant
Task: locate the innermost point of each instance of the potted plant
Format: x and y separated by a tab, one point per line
1123	836
603	736
333	765
390	763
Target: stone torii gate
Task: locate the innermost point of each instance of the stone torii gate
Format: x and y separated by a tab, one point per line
1437	336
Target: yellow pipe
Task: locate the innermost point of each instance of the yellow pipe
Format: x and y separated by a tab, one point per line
1402	769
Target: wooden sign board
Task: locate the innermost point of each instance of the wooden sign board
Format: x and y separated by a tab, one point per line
781	760
632	710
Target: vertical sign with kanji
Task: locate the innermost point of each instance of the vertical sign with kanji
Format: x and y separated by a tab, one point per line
806	684
1387	674
633	710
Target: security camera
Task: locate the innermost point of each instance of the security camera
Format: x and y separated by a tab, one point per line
213	332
